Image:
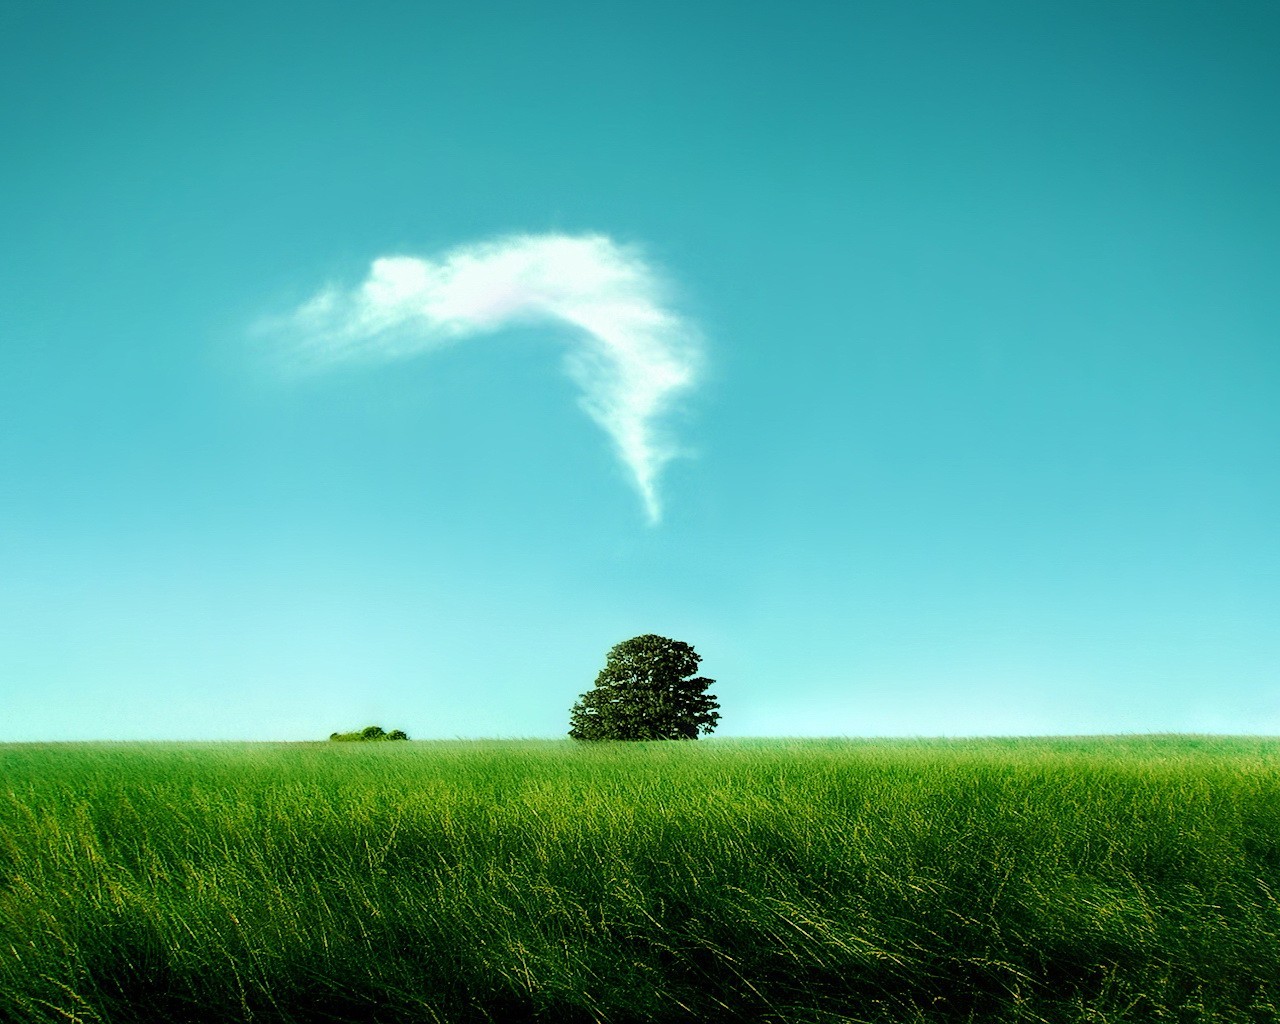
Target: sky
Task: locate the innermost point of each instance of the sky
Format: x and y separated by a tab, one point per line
918	363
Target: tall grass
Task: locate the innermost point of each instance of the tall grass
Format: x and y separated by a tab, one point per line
1102	880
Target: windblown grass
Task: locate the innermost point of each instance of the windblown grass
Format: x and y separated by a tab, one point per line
1102	880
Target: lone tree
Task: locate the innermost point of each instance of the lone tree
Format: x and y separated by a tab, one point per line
646	691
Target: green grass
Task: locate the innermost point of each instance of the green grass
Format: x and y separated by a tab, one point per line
1101	880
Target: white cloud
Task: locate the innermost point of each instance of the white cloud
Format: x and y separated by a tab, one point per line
630	355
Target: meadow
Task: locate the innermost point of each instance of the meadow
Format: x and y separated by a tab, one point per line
1051	880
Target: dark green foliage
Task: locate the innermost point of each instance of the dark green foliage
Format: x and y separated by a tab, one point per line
647	690
368	733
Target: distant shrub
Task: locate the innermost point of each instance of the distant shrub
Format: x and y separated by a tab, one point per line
372	732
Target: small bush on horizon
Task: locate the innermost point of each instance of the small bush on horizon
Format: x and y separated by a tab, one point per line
369	732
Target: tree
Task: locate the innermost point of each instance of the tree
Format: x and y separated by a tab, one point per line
647	690
369	733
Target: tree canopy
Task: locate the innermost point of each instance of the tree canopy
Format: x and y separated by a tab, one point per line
647	690
367	734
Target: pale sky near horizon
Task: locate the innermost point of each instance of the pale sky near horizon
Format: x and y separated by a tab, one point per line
918	363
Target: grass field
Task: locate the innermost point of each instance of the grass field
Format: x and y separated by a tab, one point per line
1103	880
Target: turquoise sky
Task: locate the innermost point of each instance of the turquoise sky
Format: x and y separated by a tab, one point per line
983	436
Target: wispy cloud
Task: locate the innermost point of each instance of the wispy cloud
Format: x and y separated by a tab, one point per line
629	353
